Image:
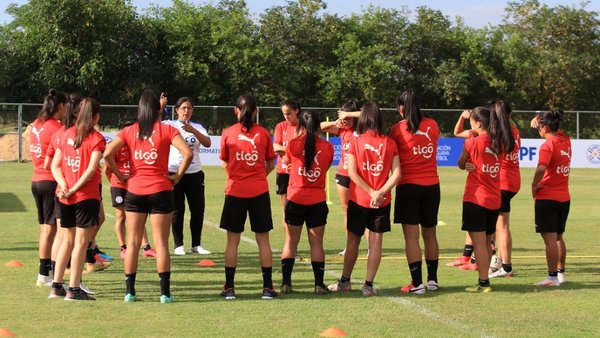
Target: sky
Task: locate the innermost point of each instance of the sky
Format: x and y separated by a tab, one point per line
475	13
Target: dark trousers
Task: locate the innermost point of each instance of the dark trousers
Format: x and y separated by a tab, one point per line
192	187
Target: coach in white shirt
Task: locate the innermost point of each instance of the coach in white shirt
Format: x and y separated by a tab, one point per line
191	184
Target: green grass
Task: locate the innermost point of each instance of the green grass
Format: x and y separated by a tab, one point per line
514	308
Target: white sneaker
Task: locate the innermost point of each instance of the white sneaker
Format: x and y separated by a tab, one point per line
549	281
86	289
432	285
179	251
343	252
495	263
561	277
200	250
501	273
43	281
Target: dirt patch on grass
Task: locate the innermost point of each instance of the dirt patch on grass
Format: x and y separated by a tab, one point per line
9	147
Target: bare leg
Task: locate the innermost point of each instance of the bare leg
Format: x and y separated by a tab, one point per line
375	243
135	228
482	252
411	242
231	249
82	239
64	253
352	244
551	242
504	237
562	252
161	228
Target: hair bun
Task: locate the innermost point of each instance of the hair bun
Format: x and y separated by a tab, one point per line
557	114
52	92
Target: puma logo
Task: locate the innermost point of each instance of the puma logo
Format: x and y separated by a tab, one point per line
488	150
316	160
424	133
37	132
242	137
564	153
149	139
373	149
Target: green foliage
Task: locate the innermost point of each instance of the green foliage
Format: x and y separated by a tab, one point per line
540	57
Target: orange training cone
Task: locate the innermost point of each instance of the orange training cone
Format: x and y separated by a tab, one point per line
206	263
14	264
6	333
333	332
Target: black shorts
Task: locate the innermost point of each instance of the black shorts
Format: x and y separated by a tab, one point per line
506	197
235	210
551	216
342	180
117	196
361	218
84	214
315	215
281	183
158	203
417	204
476	218
44	194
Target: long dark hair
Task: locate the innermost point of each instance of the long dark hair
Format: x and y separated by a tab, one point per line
370	119
310	122
503	111
247	106
51	102
412	111
498	128
551	119
73	105
148	113
89	108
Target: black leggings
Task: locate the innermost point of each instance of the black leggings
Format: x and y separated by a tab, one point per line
192	187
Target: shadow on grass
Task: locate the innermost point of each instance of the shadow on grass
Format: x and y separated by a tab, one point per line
9	202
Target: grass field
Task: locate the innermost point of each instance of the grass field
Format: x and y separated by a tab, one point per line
514	308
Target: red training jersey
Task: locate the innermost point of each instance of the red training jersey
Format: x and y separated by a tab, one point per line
555	154
55	140
39	139
417	152
483	183
346	135
246	154
373	156
308	186
149	158
76	161
510	175
122	159
284	133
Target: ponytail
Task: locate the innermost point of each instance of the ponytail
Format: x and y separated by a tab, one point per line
51	102
247	106
72	110
310	122
506	139
412	111
148	114
89	108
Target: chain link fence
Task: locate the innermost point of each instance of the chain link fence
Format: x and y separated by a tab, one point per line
16	117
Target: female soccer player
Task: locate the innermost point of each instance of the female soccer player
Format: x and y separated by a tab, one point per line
248	157
510	184
76	168
307	158
118	192
481	200
149	188
43	184
550	189
284	132
374	169
344	128
418	193
191	184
